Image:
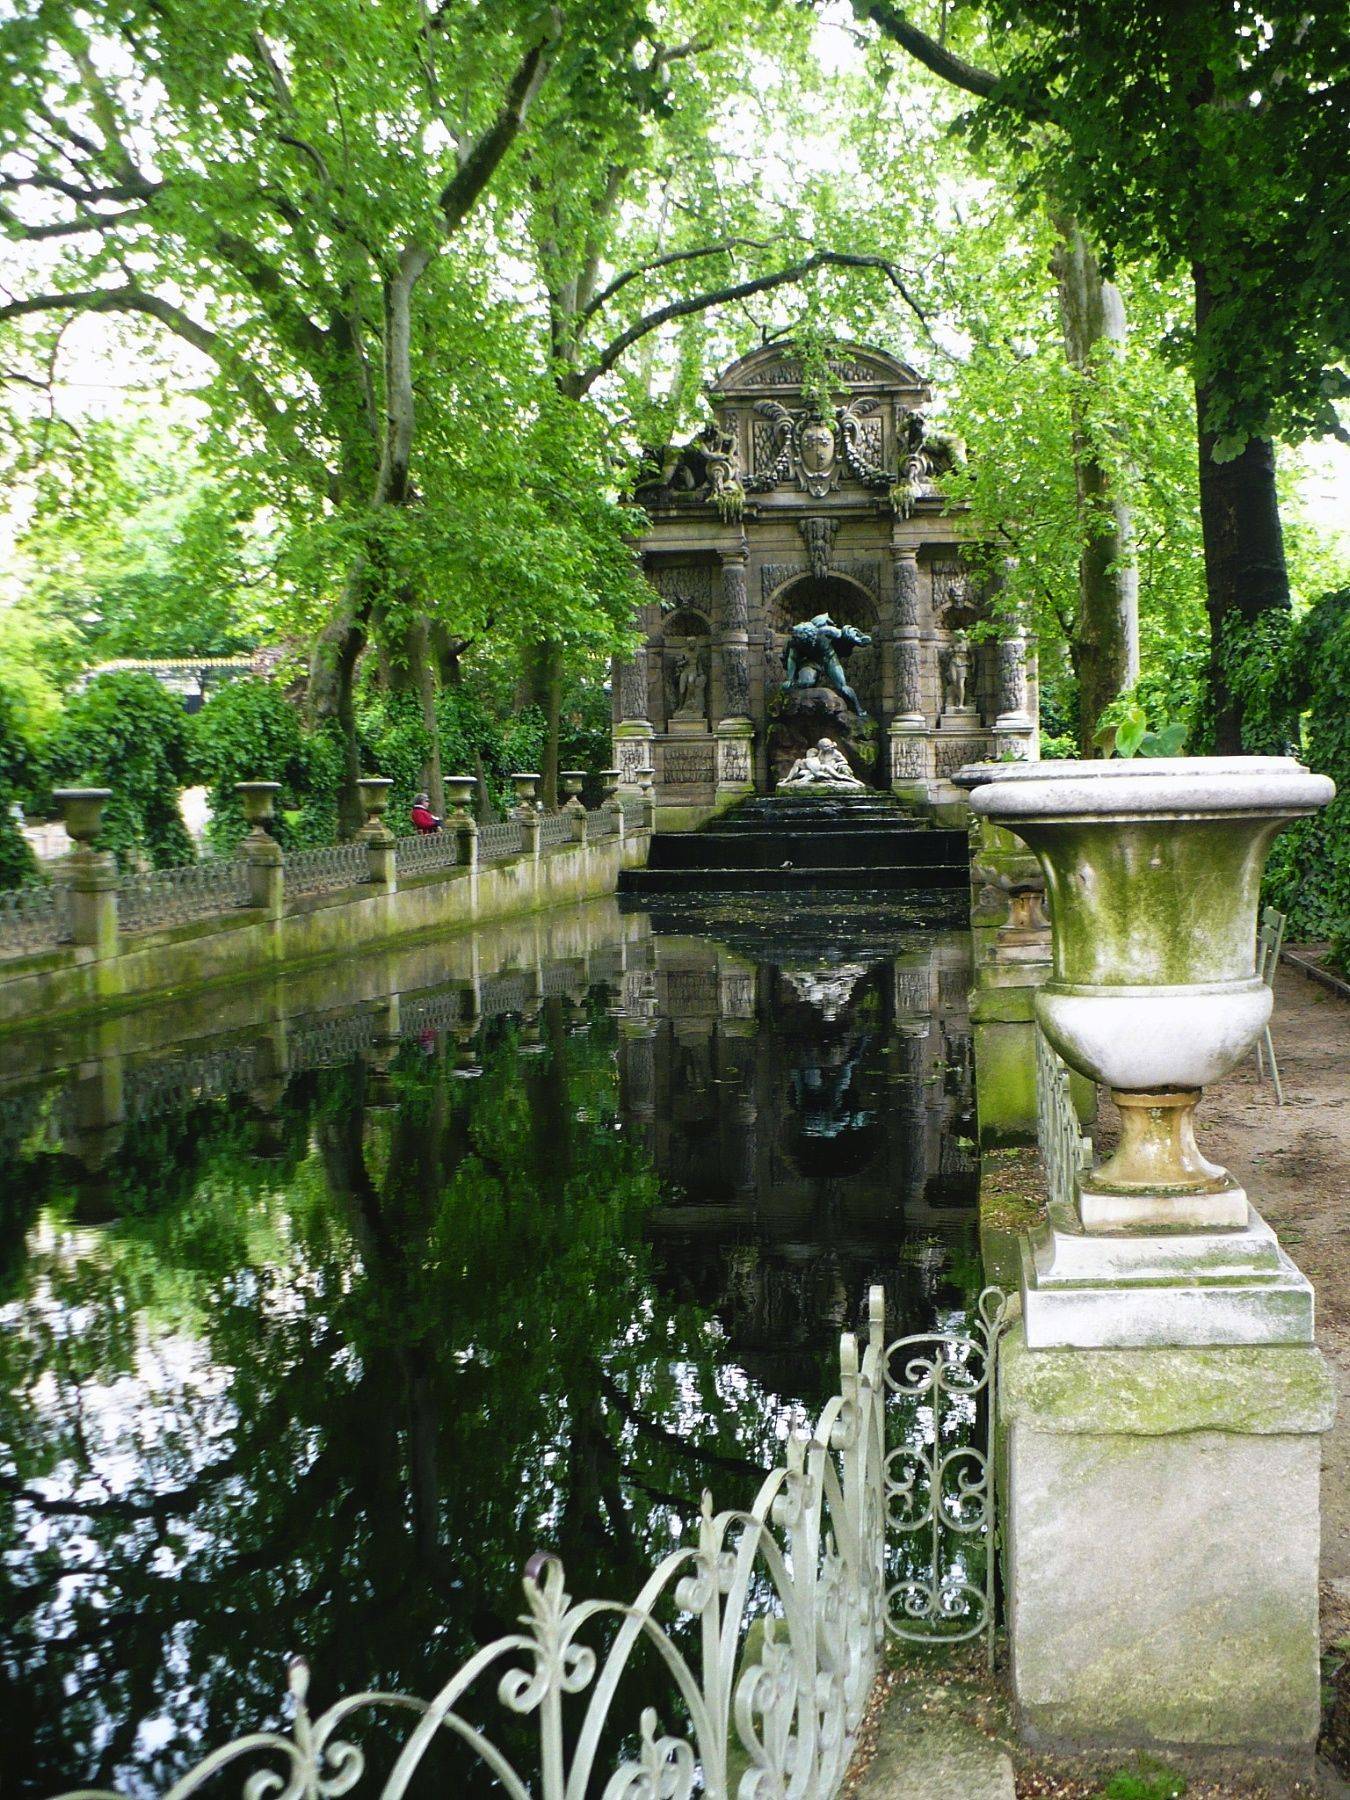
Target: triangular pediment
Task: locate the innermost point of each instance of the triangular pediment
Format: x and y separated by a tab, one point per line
777	369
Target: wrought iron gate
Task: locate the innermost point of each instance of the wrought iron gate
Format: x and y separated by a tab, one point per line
939	1474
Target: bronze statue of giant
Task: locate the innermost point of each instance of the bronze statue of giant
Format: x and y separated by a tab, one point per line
815	652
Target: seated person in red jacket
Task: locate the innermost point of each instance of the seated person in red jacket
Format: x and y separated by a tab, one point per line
422	816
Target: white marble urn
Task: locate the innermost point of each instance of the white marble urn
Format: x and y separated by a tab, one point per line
1153	875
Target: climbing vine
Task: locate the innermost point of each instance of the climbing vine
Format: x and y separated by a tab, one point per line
1309	871
17	863
128	733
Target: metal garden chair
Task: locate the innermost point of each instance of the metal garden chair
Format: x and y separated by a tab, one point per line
1269	941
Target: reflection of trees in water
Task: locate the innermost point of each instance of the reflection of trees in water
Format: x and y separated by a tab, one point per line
328	1375
332	1402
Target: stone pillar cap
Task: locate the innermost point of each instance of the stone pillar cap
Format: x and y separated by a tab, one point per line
1144	785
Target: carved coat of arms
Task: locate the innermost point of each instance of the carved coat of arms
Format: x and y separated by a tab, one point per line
817	455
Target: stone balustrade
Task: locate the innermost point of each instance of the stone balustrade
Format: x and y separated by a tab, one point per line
90	913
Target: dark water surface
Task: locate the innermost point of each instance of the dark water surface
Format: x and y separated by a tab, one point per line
313	1330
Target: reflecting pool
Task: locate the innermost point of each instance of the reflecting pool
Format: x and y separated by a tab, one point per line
324	1307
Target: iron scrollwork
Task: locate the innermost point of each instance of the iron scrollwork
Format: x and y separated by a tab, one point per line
939	1480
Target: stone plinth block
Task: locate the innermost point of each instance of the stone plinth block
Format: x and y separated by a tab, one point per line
1005	1080
633	751
1160	1515
1093	1289
735	760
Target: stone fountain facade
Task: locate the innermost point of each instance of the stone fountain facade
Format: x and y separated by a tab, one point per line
782	509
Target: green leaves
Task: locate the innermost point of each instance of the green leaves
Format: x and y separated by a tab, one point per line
1195	137
1129	734
1308	876
127	732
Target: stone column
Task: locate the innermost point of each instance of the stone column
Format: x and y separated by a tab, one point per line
735	640
93	1112
574	806
647	789
530	821
1160	1399
910	749
1012	959
634	732
1014	729
381	870
274	1058
459	792
260	850
89	876
637	1079
735	761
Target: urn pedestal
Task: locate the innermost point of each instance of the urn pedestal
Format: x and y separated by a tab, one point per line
1160	1402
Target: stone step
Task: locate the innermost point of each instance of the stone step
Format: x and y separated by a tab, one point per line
887	878
812	926
819	814
927	1750
885	848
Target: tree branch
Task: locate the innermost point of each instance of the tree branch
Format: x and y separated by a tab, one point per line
115	151
479	162
391	482
154	306
15	228
606	294
742	290
893	23
307	339
140	189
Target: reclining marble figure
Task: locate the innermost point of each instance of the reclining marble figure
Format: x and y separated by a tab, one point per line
823	766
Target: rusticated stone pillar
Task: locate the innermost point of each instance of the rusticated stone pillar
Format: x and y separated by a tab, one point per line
631	673
634	733
1014	729
735	638
910	746
908	654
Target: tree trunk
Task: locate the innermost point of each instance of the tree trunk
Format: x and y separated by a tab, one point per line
447	650
541	685
332	677
1245	574
412	672
1104	646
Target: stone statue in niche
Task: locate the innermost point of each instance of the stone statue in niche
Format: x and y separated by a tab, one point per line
815	653
956	675
825	766
690	680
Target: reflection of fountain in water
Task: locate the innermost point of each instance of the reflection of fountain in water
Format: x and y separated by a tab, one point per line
829	990
808	1139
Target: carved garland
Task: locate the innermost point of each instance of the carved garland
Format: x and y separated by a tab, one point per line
683	587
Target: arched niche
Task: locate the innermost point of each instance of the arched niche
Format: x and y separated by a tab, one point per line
686	666
848	603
